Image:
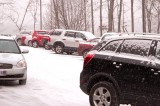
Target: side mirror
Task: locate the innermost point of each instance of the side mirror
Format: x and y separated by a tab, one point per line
84	39
24	51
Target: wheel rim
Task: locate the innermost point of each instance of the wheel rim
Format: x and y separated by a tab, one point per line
101	97
34	44
46	46
58	49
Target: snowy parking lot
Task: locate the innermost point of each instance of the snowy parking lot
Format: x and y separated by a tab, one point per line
53	80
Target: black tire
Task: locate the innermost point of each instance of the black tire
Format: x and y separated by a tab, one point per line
103	93
59	49
22	82
19	42
29	43
85	53
46	46
35	44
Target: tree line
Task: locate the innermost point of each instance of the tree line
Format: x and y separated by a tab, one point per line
80	15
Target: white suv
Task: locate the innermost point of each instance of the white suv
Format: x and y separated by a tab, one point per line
12	63
68	40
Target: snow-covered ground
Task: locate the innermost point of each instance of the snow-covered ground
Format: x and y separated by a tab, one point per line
53	80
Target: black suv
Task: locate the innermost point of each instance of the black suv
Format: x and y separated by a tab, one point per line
123	70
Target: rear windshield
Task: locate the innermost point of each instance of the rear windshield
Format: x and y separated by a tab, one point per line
42	32
9	46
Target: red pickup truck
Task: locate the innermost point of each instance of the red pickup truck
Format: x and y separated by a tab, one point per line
40	38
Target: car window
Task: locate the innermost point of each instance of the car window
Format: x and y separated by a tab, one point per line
56	33
112	46
79	35
70	34
158	50
9	46
42	32
136	46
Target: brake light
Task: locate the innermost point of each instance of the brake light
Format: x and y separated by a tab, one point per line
87	59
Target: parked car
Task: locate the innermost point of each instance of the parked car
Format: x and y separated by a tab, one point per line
68	40
85	47
12	63
26	40
20	35
40	38
123	70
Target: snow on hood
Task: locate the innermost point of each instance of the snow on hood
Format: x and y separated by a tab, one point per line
10	58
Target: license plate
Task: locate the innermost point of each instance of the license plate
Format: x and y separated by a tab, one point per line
2	73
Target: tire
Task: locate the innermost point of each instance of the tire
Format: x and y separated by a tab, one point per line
22	82
35	44
46	46
29	43
59	49
85	53
103	94
19	42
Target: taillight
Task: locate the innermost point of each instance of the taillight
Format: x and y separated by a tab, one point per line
87	58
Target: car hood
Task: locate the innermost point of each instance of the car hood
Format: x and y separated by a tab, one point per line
10	58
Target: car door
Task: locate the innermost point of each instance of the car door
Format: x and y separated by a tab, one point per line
69	39
153	79
134	67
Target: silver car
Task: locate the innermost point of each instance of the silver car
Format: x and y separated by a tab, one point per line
12	63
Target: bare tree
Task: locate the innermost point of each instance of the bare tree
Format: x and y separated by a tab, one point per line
110	16
34	5
119	16
132	15
100	17
14	17
143	16
92	16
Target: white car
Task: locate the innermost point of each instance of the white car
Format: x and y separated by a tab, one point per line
12	63
68	40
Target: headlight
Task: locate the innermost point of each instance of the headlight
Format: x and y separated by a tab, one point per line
21	64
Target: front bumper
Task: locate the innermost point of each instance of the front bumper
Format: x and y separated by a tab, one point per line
14	73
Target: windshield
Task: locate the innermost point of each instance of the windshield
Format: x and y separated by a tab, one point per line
9	46
89	35
42	32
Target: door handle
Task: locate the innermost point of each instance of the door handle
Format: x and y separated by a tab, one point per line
63	39
77	41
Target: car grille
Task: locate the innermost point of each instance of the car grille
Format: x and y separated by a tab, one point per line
5	66
13	76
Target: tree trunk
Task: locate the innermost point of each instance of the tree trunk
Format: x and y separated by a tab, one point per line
143	16
119	17
110	19
100	17
132	15
92	16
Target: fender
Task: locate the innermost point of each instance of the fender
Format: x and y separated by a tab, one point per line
58	42
102	75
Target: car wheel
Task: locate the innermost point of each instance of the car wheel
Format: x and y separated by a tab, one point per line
35	44
103	94
22	82
85	53
46	46
29	43
59	49
19	42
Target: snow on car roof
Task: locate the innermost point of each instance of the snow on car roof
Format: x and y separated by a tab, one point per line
6	37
